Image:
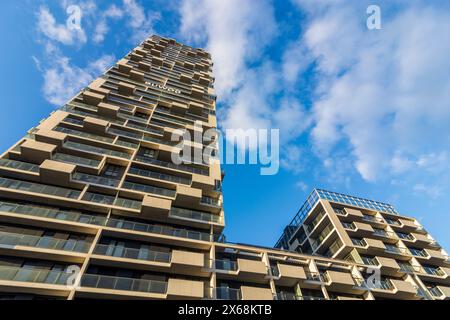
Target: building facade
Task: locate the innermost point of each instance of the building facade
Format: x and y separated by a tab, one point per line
92	206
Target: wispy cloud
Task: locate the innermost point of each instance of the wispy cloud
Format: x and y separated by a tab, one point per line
59	32
64	80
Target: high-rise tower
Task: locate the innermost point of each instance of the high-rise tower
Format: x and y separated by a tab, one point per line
93	205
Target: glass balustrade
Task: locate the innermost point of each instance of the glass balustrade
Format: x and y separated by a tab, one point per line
83	134
225	293
159	176
123	284
95	150
39	188
75	160
149	189
226	265
83	177
37	275
131	253
195	215
19	165
171	165
51	213
14	239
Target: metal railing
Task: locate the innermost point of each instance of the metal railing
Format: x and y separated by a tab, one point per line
418	252
359	242
373	219
210	201
398	250
435	292
123	284
405	236
434	271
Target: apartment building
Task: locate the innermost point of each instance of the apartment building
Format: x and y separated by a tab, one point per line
93	207
371	234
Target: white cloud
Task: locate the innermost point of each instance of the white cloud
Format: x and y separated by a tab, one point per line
237	33
102	28
385	94
59	32
63	80
140	22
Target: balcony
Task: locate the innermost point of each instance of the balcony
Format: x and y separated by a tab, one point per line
359	242
419	253
91	179
131	253
109	200
171	165
373	219
349	226
211	202
397	250
67	158
286	296
149	189
34	275
95	150
434	271
159	176
157	229
384	234
83	134
39	188
224	265
123	284
405	236
370	261
19	165
14	239
195	215
225	293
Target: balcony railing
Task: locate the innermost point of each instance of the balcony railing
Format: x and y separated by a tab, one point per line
274	271
195	215
226	265
405	236
36	275
286	296
434	271
83	134
373	219
131	253
75	160
359	242
15	239
95	150
325	232
383	233
83	177
224	293
349	226
386	284
309	228
393	222
24	166
369	261
408	268
398	250
163	230
171	165
39	188
51	213
210	201
435	292
159	176
418	252
314	276
110	200
149	189
124	284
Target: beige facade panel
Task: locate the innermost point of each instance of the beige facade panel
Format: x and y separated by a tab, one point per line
254	293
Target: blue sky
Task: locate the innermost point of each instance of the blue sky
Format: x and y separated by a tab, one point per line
364	112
